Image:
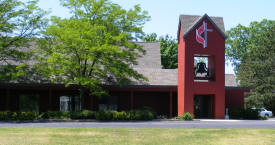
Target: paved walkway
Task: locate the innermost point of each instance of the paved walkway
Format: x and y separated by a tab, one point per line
152	124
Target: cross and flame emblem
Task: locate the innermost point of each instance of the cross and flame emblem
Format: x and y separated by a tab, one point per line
201	34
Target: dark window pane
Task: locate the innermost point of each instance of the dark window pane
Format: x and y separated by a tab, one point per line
29	102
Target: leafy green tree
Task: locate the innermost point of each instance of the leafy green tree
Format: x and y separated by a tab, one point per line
19	22
153	37
240	39
92	47
252	51
168	49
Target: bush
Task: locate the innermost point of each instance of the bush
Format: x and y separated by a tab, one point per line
84	114
263	117
8	115
251	114
55	115
244	114
186	116
105	115
236	113
123	116
141	115
150	110
26	116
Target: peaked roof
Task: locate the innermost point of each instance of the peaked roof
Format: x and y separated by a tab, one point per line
149	65
188	22
169	77
151	59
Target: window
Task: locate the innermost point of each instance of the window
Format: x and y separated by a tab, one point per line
29	102
69	103
108	103
204	68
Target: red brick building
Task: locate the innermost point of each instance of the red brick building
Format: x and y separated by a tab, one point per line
199	85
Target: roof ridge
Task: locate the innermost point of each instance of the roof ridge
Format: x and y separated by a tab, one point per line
189	22
146	42
201	16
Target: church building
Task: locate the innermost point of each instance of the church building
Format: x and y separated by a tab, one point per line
199	85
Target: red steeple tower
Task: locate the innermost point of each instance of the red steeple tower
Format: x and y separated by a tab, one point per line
201	48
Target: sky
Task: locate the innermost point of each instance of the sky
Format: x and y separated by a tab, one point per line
165	13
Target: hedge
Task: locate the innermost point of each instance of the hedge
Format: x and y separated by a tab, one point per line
244	114
84	114
55	115
139	114
8	115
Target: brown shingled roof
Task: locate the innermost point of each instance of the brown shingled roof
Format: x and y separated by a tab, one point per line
188	22
160	77
149	65
169	77
152	58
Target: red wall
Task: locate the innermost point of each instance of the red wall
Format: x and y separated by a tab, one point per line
157	99
181	74
187	88
234	98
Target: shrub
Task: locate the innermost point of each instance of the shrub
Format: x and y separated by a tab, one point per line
26	116
55	115
244	114
123	115
150	110
44	115
105	115
263	117
84	114
251	114
76	115
141	115
186	116
8	115
236	113
88	114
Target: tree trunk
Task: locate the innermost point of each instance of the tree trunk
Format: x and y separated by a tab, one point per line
82	92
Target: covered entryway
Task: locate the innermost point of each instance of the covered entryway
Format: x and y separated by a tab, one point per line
203	106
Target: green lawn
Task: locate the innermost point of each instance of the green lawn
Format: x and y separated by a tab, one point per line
136	136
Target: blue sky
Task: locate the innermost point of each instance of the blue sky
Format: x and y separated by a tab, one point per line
165	13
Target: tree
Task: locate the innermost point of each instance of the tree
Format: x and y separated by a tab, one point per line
19	22
252	51
240	39
168	49
153	37
93	47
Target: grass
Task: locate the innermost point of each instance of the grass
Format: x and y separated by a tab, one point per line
98	136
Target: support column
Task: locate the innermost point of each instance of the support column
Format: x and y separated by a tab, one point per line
7	99
92	102
211	106
50	99
132	100
171	104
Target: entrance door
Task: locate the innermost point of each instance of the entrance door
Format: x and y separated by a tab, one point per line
203	106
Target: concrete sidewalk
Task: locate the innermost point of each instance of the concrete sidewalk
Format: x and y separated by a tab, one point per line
202	123
232	120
